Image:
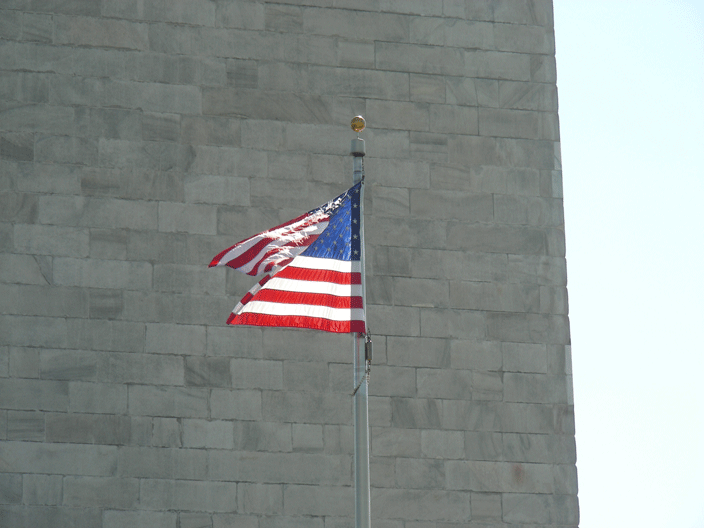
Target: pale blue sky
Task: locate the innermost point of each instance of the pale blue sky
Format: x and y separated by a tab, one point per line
630	78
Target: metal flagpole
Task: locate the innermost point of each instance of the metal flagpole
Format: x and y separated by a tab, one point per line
362	355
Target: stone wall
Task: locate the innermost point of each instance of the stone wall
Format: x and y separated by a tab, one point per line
138	138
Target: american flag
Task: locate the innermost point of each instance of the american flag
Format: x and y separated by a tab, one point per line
313	270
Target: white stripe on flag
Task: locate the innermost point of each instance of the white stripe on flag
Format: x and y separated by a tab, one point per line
305	310
343	266
303	286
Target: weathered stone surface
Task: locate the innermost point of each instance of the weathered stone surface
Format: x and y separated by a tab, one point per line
162	463
205	433
142	368
42	489
116	274
420	473
297	407
263	436
88	429
499	477
97	397
266	467
332	501
101	492
187	495
25	425
307	437
446	384
416	413
395	442
64	459
424	505
170	339
483	445
168	401
50	516
120	519
418	352
97	212
236	404
419	59
25	394
442	444
260	498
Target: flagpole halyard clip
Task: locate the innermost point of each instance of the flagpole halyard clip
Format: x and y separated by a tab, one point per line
367	361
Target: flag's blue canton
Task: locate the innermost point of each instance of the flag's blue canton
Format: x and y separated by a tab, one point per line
340	240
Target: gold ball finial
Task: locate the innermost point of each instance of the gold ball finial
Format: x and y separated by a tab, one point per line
358	124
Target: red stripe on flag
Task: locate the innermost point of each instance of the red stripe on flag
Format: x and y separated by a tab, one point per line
296	321
315	299
320	275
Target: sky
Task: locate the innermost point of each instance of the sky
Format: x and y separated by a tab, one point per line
630	77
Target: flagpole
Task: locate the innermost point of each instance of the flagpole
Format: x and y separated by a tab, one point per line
362	502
